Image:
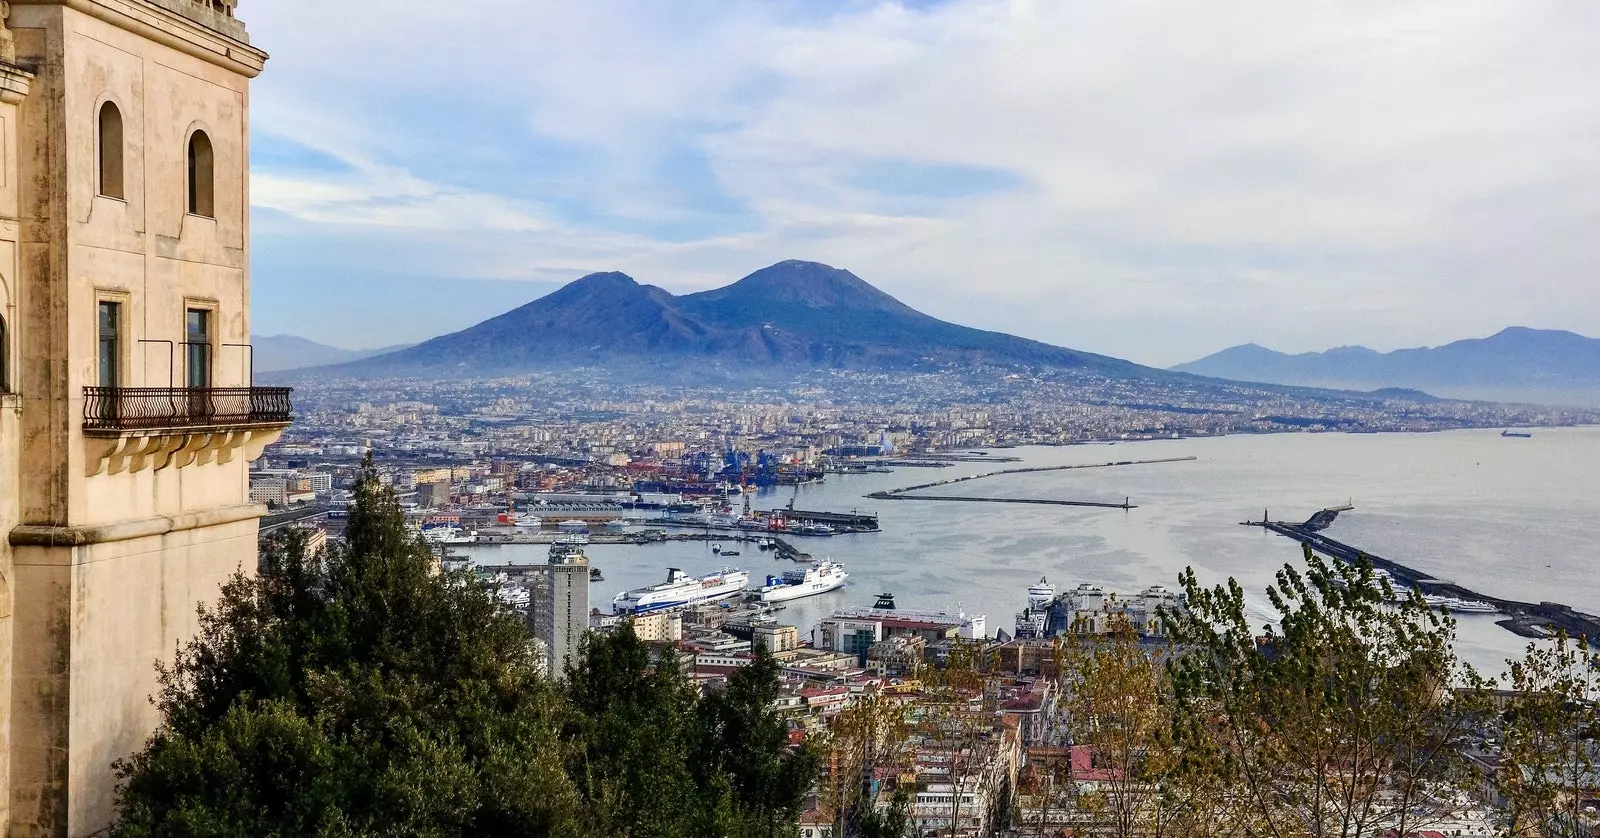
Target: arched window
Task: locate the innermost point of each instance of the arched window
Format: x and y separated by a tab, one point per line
202	192
111	151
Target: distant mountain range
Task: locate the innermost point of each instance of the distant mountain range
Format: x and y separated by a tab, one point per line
1516	364
287	352
801	314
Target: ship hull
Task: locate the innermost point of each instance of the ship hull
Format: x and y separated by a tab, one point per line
784	593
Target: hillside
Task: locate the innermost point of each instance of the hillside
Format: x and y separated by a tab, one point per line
1515	364
790	314
288	352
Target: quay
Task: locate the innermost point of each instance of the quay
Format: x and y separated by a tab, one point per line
1526	619
909	492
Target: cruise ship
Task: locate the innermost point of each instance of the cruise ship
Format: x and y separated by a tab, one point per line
681	590
803	582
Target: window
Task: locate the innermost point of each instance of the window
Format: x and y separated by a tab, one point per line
202	163
197	340
110	316
111	151
4	358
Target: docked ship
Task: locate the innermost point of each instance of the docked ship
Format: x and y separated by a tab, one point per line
803	582
449	534
681	590
1034	620
1459	606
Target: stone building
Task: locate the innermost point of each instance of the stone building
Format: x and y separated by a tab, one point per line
127	415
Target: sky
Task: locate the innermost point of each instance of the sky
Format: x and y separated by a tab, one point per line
1151	180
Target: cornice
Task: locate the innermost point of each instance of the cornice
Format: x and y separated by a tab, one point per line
170	29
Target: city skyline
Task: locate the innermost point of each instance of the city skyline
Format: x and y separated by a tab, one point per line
1384	176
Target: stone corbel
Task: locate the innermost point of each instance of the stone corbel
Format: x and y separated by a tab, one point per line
259	439
192	445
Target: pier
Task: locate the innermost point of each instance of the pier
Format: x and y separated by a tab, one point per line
909	492
1526	619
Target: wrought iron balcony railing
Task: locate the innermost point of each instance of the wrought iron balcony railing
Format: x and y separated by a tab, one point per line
156	408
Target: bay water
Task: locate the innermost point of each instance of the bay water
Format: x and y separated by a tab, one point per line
1509	517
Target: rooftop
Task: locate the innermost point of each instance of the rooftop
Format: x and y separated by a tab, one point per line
217	15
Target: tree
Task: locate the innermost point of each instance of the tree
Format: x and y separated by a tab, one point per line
866	740
352	692
1341	721
1550	735
631	728
1146	782
742	736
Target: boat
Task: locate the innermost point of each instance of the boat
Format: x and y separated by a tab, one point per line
1516	434
814	529
594	575
1456	605
730	552
1042	594
681	590
803	582
885	602
449	534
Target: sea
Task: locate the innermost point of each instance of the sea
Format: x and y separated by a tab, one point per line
1509	517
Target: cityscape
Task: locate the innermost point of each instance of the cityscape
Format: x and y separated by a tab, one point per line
799	554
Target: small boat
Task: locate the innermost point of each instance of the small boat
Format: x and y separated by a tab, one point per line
1516	434
730	552
594	575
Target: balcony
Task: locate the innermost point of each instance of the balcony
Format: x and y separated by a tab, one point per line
135	428
119	409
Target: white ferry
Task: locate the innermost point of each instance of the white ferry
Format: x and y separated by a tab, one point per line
1042	594
681	590
803	582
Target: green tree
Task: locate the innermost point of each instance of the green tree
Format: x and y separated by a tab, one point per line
352	692
1341	720
743	738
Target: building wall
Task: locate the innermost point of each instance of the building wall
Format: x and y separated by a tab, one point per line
565	616
108	558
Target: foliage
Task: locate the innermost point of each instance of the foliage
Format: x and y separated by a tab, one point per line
1120	707
867	739
360	692
1342	720
1550	737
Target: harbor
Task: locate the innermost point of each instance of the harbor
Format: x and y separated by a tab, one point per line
1534	620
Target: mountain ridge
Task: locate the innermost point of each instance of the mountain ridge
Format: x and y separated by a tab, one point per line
1517	363
793	313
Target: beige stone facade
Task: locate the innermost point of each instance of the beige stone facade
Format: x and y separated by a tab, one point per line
128	418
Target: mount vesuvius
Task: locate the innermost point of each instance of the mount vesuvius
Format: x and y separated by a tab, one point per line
793	313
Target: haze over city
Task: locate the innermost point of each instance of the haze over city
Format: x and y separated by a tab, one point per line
1172	179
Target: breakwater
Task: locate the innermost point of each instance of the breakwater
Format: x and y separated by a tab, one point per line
910	492
1526	619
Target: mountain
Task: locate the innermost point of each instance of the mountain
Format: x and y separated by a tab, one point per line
790	314
287	352
1515	364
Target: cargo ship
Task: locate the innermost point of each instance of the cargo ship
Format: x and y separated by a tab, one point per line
680	591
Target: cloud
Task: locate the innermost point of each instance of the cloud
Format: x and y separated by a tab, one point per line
1152	180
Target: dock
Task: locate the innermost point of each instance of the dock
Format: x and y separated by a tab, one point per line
910	492
1526	619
